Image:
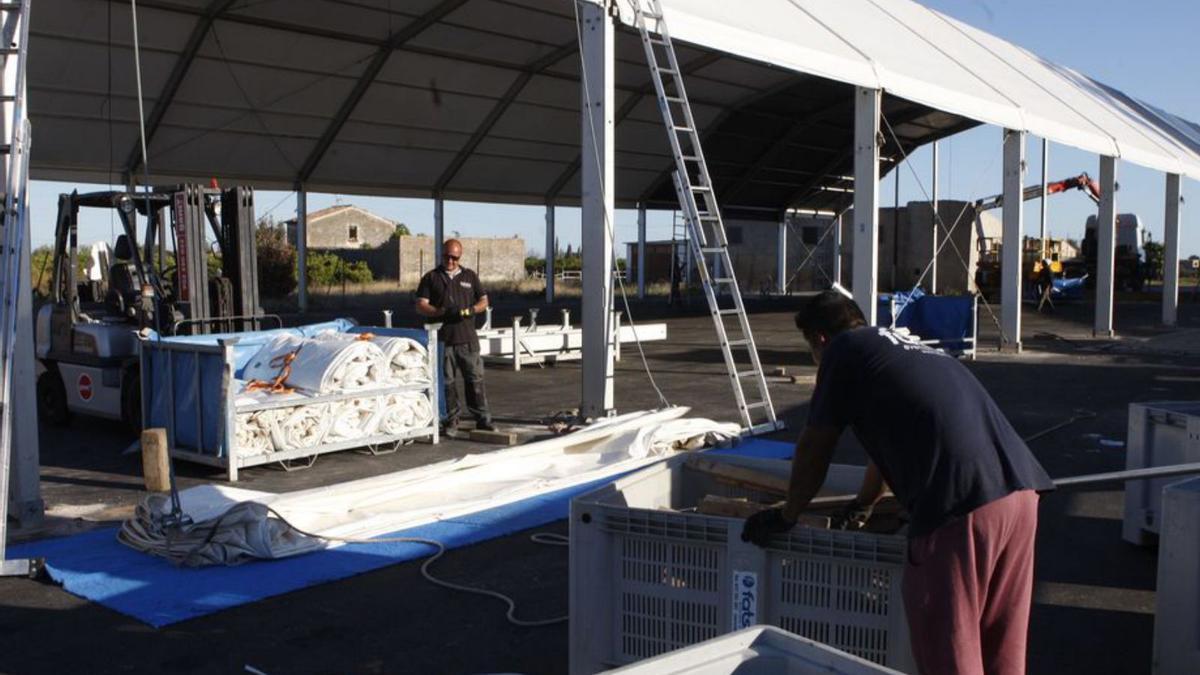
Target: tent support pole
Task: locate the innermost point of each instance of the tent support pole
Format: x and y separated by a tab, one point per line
1011	239
865	263
781	258
1170	297
439	229
302	247
1106	250
598	190
934	205
641	251
550	253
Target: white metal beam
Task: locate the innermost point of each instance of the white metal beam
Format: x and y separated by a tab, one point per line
1042	201
439	229
781	268
936	227
597	192
25	496
551	251
1106	248
1013	232
1174	204
302	247
837	249
641	251
865	267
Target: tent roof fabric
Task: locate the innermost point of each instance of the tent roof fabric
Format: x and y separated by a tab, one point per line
479	99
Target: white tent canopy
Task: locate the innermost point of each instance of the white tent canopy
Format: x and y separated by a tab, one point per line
479	99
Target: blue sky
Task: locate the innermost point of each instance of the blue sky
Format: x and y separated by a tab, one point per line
1146	49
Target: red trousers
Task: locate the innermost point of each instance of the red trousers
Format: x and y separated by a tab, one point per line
968	587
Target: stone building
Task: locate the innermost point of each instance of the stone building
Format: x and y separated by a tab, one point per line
344	226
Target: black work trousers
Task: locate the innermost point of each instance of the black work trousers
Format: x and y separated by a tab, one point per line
463	362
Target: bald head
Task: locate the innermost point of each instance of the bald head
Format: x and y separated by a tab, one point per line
451	252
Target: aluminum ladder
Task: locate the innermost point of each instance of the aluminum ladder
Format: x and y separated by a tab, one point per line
14	171
708	243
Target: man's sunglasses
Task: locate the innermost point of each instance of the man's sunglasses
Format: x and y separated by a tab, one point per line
451	257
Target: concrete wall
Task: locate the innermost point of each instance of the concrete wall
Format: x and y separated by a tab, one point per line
753	245
332	229
493	259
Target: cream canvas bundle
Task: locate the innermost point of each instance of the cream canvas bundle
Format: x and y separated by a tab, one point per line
331	363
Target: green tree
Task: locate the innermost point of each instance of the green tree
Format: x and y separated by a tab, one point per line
400	231
276	262
1154	259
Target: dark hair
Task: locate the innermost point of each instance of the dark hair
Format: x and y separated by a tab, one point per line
828	313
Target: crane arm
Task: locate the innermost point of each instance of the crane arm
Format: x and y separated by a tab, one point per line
1081	182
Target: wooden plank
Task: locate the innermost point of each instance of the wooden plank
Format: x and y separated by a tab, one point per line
740	476
499	437
156	468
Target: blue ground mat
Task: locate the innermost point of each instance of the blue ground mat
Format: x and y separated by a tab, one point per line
93	565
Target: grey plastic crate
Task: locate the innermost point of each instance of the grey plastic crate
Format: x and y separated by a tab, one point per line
1160	434
761	650
645	580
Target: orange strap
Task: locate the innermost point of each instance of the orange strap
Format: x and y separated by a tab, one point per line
276	386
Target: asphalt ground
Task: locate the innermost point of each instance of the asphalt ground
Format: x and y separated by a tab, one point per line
1094	594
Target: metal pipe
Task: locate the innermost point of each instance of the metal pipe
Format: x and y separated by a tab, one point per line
1130	474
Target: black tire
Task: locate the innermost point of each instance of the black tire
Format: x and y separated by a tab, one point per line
52	399
131	400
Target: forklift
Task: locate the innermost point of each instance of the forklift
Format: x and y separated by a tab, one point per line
87	334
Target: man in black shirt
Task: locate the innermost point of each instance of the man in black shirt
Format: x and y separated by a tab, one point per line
452	295
967	480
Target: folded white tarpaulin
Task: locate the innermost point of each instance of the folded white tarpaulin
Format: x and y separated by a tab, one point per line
385	504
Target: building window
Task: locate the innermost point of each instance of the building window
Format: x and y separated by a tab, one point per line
810	235
352	235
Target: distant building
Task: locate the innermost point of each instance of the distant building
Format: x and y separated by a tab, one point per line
344	226
492	258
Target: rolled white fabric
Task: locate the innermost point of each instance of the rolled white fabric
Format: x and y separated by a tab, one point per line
407	359
329	366
303	426
260	368
252	435
403	412
350	419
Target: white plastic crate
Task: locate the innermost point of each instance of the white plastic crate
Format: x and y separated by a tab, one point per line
761	650
1160	434
1177	612
645	581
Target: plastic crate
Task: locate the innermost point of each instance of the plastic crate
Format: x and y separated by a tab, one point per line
761	650
1160	434
1177	614
645	580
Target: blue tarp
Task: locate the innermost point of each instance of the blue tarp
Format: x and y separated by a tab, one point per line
947	318
200	375
95	566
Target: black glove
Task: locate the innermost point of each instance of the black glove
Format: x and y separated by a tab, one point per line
760	526
853	517
451	311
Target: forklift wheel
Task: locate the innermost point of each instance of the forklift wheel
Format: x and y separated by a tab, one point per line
131	400
52	399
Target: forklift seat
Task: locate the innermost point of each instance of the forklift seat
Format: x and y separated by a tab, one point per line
123	289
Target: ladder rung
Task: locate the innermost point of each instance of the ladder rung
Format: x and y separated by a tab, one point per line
712	249
675	99
765	427
726	312
700	188
738	343
747	373
659	42
690	158
661	69
756	404
685	129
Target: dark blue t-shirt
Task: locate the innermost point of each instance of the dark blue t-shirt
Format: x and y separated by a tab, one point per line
937	437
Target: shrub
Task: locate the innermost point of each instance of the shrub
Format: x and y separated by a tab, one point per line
276	263
327	269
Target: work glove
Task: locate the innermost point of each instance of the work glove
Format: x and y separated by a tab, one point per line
466	312
760	526
451	311
854	516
